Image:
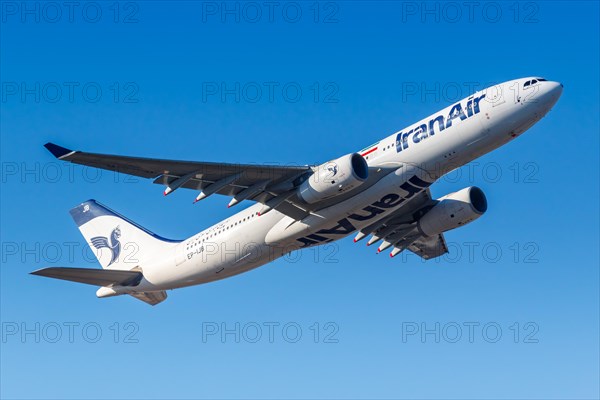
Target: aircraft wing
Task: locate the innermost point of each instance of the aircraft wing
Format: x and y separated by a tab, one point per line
272	185
199	175
399	230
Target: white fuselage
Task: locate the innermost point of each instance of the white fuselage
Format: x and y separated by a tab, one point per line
427	150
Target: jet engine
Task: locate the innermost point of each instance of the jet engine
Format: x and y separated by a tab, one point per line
334	178
453	210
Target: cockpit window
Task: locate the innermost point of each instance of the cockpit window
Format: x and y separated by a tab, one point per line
533	81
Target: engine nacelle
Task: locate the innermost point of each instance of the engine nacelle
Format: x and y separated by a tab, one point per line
334	178
453	210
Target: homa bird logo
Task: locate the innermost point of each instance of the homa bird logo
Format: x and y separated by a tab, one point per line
333	169
114	245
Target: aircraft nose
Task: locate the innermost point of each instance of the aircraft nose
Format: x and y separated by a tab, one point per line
556	87
551	92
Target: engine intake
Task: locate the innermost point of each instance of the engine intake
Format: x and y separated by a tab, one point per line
334	178
453	210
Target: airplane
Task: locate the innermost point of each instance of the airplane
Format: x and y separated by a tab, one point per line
381	191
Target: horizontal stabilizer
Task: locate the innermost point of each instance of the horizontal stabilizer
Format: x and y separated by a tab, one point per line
91	276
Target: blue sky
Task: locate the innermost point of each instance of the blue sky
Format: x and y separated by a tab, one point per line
190	80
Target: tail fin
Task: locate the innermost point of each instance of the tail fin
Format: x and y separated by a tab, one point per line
117	242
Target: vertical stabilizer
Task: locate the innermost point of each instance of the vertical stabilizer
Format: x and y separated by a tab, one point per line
117	242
